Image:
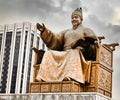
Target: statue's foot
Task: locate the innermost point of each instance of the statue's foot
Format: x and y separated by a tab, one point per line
66	79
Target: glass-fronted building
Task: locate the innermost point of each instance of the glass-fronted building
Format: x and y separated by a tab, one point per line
17	57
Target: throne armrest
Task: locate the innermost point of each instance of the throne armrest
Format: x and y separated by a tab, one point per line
38	55
112	46
38	58
100	38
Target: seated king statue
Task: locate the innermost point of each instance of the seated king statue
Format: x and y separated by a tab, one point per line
69	53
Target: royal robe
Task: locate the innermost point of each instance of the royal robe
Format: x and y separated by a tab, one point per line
69	55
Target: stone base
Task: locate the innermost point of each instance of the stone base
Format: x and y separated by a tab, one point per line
55	96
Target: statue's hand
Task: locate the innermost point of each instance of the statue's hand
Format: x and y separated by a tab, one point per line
40	27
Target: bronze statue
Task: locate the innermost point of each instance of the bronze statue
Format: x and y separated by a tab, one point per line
70	52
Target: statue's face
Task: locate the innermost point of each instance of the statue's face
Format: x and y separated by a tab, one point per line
76	20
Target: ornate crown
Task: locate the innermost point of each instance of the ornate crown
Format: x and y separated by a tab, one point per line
78	11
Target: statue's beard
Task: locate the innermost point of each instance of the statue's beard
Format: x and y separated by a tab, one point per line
75	24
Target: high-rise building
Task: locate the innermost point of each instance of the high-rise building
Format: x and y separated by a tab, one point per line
17	57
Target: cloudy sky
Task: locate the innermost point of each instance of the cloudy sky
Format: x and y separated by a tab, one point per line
103	16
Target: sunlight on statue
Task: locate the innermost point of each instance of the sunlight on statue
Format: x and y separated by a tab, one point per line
70	52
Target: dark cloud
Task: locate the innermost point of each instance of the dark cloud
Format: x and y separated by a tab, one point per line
48	11
42	8
75	4
102	9
35	7
101	28
115	3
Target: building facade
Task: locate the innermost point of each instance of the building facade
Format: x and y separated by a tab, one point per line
17	57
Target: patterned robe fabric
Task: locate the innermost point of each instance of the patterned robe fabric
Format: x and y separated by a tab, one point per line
68	55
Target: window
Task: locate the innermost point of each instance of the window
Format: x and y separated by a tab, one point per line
29	63
0	41
23	63
38	40
5	62
15	62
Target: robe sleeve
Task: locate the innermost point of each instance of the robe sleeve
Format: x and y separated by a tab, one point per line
90	36
53	41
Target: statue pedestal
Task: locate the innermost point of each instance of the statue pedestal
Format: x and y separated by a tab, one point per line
55	96
100	82
101	77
